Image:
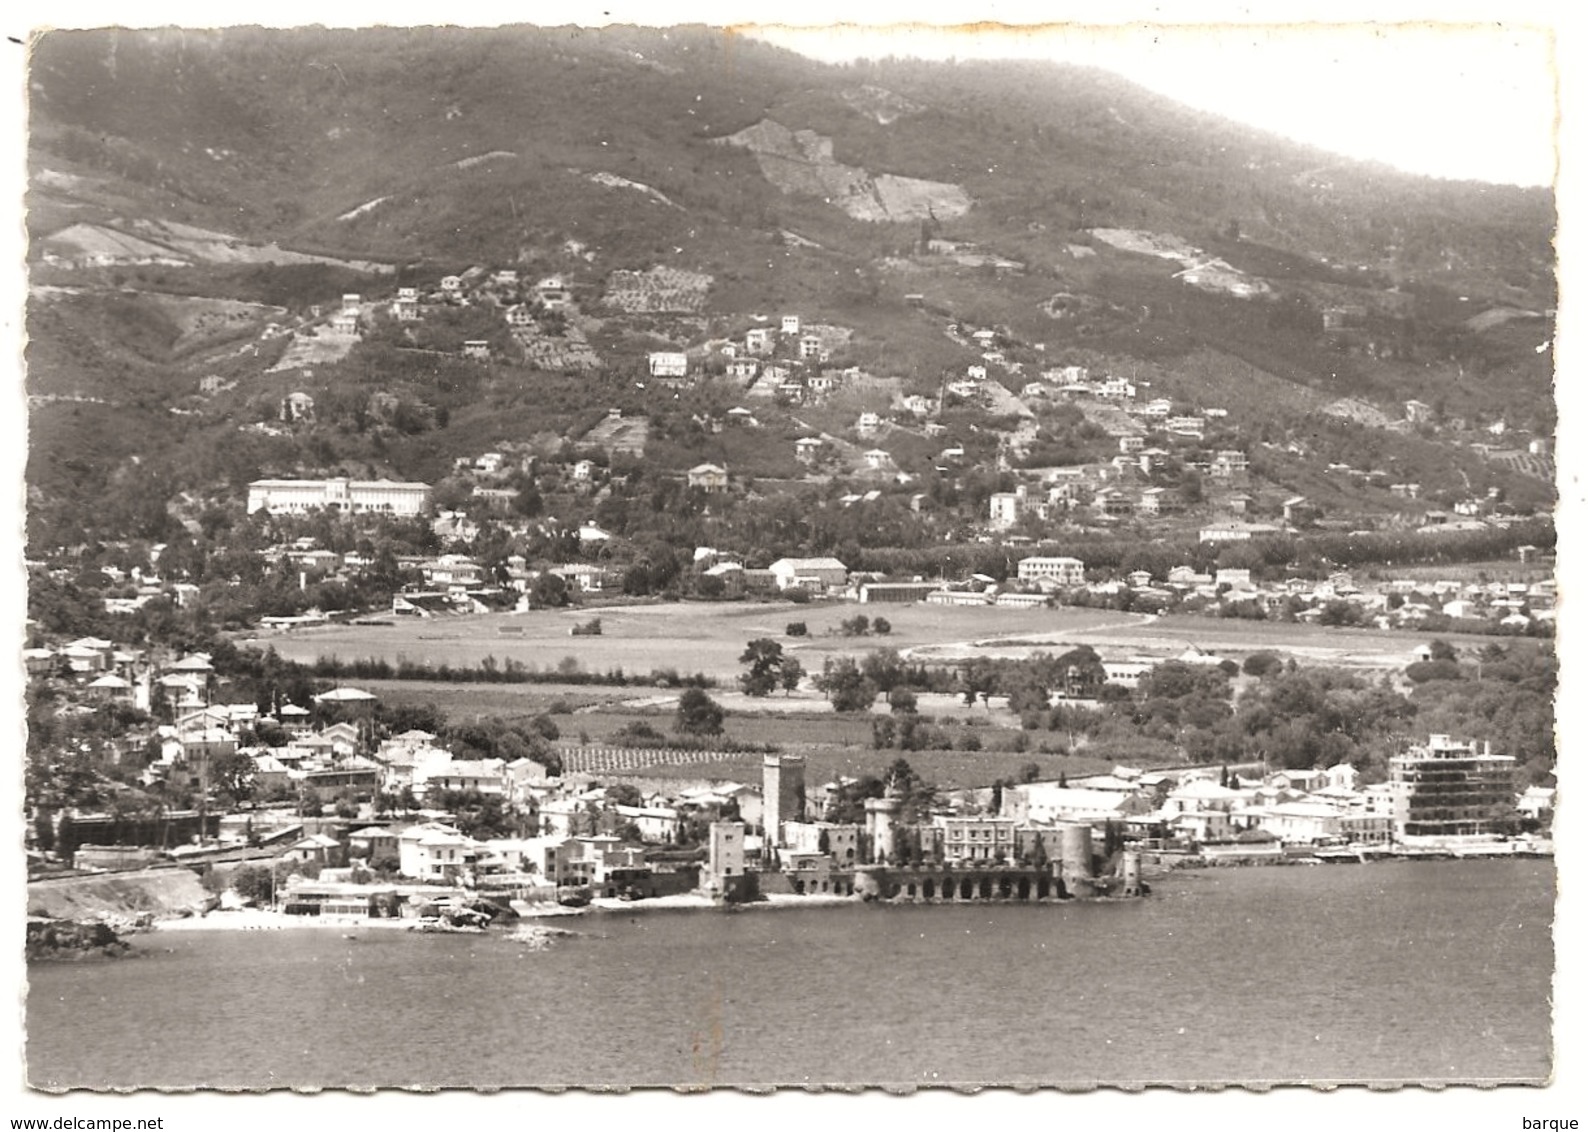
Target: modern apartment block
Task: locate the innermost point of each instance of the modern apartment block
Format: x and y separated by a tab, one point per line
1449	789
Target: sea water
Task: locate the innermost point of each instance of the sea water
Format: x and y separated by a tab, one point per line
1411	971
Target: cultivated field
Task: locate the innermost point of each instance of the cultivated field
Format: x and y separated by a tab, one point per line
945	769
826	728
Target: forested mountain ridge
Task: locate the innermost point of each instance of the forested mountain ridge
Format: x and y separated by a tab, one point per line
279	132
392	157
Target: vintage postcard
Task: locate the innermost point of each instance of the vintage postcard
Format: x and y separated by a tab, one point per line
726	555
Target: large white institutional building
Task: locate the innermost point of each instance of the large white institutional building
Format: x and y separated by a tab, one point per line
1064	571
288	497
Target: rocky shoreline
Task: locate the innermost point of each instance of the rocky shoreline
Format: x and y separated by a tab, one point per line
73	940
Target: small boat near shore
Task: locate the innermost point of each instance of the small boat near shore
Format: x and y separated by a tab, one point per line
1352	854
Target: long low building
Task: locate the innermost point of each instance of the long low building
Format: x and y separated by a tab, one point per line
283	497
896	592
1236	532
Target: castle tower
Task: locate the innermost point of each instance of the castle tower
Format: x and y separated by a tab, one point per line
1130	873
881	813
782	794
1075	859
724	854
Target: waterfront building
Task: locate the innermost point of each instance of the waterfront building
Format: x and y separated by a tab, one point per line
371	842
1365	828
433	851
816	873
838	840
978	839
1537	802
1048	802
724	858
1200	826
1450	789
1300	823
1379	798
350	496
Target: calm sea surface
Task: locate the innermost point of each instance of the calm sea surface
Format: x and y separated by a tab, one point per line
1422	972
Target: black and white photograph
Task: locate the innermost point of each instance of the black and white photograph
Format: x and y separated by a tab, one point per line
723	554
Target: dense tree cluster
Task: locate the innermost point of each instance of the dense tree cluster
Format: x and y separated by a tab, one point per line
845	685
916	796
1286	716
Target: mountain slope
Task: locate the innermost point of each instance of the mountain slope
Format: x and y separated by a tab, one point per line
1090	222
292	129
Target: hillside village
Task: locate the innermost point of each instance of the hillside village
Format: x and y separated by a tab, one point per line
1184	471
1126	455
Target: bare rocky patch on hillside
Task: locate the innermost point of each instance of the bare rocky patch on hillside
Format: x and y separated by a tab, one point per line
801	162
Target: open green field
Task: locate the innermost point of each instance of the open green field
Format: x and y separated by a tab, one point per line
688	637
709	638
594	715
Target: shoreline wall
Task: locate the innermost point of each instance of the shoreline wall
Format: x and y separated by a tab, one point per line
961	885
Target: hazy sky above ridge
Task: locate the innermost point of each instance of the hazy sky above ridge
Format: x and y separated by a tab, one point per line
1465	101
